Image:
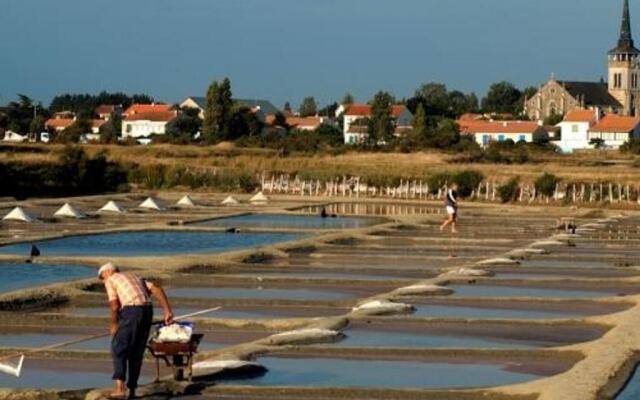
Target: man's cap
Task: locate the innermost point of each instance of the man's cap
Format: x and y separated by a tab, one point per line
106	267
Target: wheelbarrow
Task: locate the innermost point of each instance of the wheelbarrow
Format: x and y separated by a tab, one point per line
178	356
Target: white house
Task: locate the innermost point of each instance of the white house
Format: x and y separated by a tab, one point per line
615	130
485	132
10	136
355	115
144	120
575	129
263	109
60	124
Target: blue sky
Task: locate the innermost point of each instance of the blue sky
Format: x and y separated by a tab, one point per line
287	49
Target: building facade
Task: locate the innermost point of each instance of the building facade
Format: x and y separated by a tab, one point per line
486	132
615	130
144	120
355	116
621	95
575	128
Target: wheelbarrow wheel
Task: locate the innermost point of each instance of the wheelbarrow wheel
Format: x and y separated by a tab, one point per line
178	368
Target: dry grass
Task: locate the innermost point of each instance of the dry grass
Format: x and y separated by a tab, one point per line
586	167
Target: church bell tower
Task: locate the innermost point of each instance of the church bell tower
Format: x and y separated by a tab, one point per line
624	68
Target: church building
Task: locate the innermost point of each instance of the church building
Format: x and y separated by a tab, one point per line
621	95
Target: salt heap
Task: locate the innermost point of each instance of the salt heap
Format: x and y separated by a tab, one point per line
112	207
259	199
186	201
151	204
69	211
230	201
18	214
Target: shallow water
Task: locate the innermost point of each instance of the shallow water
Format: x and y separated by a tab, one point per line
150	243
257	293
54	374
632	390
371	338
14	276
513	291
440	311
381	374
567	263
284	221
330	275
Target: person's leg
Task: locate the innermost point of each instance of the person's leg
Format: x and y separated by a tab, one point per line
447	222
120	345
454	223
144	319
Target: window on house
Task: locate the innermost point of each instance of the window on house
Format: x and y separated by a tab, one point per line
485	139
500	138
574	128
128	128
522	138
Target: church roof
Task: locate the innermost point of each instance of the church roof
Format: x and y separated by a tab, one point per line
592	93
625	42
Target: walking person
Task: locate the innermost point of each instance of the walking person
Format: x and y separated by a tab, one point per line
131	320
451	205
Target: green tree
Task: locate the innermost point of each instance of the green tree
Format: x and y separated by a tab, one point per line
217	111
546	184
37	125
597	143
420	123
279	119
503	97
243	122
287	108
509	190
184	127
445	135
348	99
309	107
381	124
20	114
330	133
553	120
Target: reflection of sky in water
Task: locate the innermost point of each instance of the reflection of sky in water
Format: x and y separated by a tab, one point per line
281	221
632	390
15	276
369	338
150	243
380	374
508	291
255	293
438	311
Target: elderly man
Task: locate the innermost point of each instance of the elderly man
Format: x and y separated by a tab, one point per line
131	319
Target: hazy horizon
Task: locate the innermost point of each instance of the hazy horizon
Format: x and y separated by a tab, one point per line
284	50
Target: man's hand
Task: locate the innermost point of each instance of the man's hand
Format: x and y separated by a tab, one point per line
113	328
168	317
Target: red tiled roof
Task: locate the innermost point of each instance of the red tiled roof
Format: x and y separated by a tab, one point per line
147	108
497	126
59	123
297	121
616	123
63	123
157	116
364	110
580	116
105	109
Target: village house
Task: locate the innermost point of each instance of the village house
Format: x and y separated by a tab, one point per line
575	129
60	124
355	117
144	120
105	111
615	130
299	123
485	132
262	108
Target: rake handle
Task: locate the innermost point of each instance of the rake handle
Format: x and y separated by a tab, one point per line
99	336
